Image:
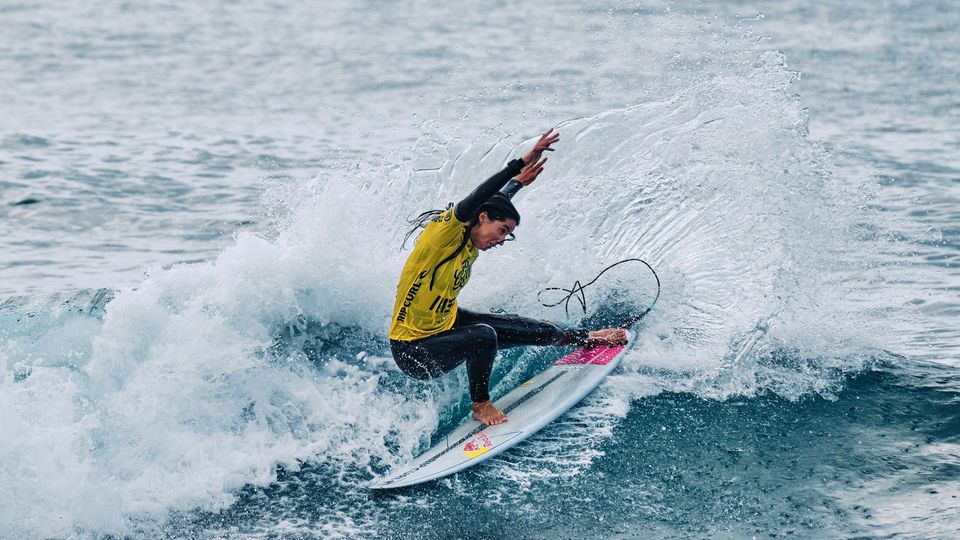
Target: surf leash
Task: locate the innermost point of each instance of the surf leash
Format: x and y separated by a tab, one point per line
577	292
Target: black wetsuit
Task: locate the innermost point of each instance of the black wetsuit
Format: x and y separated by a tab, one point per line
470	204
476	337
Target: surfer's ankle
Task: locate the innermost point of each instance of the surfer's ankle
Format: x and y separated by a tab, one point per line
609	337
487	413
572	336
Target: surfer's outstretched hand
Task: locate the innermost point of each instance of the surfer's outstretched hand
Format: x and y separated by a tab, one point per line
530	172
543	145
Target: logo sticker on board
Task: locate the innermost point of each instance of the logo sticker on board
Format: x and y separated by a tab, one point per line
477	445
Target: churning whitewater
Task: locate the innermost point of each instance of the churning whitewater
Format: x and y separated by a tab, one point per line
198	269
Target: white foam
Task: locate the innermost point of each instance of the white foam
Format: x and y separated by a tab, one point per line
178	400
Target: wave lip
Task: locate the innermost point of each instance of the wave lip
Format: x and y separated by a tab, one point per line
175	395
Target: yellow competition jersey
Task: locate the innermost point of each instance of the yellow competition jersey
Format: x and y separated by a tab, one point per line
420	311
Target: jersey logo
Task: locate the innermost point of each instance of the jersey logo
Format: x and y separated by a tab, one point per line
408	300
445	215
462	276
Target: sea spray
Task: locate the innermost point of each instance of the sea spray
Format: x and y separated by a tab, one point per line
185	391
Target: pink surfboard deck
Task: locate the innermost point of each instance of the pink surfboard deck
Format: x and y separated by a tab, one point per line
597	356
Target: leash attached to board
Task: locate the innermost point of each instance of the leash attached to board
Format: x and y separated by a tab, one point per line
577	292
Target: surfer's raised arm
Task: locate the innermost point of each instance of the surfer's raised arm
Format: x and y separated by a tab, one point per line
523	170
430	334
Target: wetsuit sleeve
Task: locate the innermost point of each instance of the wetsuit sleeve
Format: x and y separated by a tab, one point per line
573	336
511	189
466	208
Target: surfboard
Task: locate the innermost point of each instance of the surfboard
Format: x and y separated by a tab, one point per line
530	407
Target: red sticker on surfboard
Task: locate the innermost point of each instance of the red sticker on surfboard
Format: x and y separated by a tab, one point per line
597	356
479	444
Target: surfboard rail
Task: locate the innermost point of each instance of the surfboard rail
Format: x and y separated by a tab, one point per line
531	406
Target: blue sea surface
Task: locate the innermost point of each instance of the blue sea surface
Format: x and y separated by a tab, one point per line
201	210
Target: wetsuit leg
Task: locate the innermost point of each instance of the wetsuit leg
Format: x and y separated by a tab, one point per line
514	330
433	356
474	339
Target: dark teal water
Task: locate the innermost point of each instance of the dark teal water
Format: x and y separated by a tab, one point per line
200	214
679	466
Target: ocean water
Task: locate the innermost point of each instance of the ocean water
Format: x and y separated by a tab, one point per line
201	208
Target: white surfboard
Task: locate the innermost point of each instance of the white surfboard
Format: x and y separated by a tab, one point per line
529	407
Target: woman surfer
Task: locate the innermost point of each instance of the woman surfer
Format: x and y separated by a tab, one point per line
430	335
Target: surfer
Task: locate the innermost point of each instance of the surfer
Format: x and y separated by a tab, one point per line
430	334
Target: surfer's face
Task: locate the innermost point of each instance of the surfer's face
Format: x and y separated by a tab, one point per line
488	233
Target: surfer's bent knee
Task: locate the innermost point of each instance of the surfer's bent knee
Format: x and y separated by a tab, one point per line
485	335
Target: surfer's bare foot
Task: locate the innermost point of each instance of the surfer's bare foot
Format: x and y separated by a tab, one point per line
608	337
487	414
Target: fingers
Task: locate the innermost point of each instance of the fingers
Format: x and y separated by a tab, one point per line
542	145
536	167
531	171
546	140
553	138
